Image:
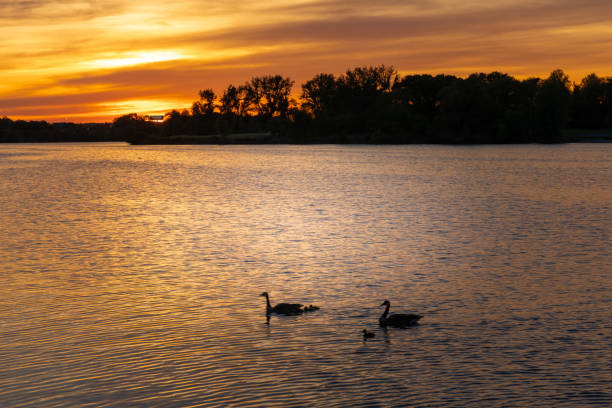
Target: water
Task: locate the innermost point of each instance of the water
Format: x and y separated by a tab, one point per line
129	276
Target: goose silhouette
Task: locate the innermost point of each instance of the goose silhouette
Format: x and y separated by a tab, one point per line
287	309
397	319
367	334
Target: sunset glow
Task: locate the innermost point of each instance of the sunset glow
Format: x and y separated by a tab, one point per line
144	57
82	60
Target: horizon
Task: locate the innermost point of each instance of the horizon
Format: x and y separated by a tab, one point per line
151	58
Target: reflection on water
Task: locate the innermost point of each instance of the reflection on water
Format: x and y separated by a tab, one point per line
130	276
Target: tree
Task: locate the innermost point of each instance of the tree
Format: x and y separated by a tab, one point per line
358	101
229	101
318	94
206	104
467	112
369	79
233	101
268	96
590	103
132	126
176	123
416	102
359	88
552	105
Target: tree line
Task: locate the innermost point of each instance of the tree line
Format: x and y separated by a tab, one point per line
377	105
35	131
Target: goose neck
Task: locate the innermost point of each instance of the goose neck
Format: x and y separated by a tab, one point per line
268	305
386	312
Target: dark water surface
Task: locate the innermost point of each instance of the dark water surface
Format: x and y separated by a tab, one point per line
129	276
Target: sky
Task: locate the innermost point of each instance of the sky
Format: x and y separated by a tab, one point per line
92	61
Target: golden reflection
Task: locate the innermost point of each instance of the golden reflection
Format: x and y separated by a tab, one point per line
137	272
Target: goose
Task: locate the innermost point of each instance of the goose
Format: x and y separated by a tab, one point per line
397	320
367	334
287	308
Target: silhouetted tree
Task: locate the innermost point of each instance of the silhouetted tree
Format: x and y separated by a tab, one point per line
357	104
268	96
511	107
132	125
204	117
178	123
416	103
467	111
591	102
229	101
206	104
318	94
552	106
369	79
6	125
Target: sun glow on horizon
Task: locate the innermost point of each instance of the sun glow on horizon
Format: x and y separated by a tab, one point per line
136	58
144	106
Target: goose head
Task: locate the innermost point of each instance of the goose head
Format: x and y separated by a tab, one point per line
385	303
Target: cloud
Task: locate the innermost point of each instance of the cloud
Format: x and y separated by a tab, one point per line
167	51
359	28
21	11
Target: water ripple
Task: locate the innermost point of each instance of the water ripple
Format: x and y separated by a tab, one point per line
130	276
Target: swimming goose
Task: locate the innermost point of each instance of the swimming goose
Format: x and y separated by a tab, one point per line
397	320
287	308
367	334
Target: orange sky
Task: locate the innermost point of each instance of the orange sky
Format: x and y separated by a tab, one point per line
84	60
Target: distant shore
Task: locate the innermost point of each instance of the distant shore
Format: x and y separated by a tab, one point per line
265	138
587	136
238	138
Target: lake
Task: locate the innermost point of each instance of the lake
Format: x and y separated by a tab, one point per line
130	275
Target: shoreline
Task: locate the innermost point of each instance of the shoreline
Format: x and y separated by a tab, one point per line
268	138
